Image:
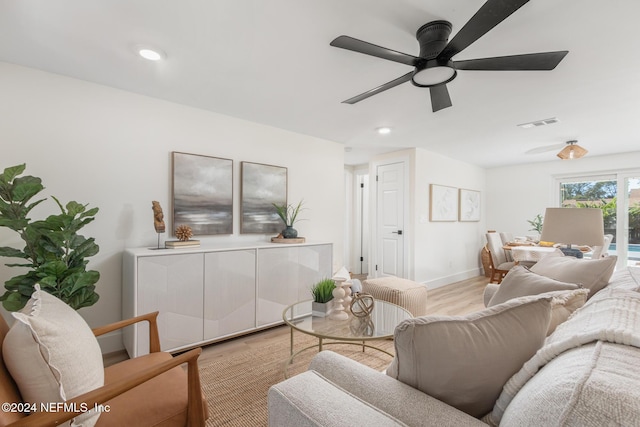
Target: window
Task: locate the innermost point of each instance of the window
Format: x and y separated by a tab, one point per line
618	195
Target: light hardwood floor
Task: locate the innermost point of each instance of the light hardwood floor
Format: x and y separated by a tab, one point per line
451	300
454	299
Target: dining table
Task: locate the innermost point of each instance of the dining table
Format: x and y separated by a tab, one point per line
531	253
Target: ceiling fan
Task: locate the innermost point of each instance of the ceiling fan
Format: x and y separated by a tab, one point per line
434	68
570	150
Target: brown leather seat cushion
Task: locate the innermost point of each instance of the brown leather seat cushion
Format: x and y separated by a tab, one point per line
161	401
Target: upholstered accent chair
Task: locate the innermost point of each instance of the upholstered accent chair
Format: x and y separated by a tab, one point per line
499	264
150	390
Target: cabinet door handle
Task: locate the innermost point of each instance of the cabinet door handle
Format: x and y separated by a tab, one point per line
397	232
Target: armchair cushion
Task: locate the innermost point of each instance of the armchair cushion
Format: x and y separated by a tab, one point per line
150	403
465	361
52	354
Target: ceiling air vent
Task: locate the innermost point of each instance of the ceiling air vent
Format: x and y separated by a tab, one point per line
538	123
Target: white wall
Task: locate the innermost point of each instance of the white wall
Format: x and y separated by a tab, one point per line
112	150
446	252
516	194
439	253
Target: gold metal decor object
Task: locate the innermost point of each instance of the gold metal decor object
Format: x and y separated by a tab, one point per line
362	326
362	305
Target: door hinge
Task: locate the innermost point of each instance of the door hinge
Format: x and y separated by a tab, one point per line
376	267
362	185
361	259
376	178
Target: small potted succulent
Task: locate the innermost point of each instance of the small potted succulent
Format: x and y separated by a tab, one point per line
322	295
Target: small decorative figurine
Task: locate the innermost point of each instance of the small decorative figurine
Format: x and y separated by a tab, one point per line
158	217
184	233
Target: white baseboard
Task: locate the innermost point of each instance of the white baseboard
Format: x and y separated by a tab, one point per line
457	277
111	342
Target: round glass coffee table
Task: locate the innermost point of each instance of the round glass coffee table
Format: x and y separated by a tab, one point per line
379	325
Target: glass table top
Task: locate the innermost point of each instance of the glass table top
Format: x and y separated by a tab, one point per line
379	325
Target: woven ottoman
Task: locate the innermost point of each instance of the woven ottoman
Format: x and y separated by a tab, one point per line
405	293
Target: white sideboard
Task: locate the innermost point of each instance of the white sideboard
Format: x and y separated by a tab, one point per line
210	293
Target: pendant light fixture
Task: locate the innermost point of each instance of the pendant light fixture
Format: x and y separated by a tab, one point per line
572	151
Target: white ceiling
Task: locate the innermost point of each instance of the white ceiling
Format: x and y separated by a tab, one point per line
270	62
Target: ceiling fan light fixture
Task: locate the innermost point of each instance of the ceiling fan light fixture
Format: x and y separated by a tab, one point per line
572	151
433	75
149	53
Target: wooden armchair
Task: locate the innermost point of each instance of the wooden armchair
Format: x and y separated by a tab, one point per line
499	264
150	390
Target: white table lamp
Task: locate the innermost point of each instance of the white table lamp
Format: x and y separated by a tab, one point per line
573	226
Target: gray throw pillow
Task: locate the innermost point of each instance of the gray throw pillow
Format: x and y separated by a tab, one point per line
465	361
521	282
593	274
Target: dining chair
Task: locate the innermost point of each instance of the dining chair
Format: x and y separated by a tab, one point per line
500	264
506	238
602	251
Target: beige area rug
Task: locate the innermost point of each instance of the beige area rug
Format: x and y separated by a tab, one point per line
236	385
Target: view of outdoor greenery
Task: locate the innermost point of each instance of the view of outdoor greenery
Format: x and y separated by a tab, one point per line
603	195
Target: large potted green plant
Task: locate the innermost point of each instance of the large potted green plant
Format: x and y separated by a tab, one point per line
54	253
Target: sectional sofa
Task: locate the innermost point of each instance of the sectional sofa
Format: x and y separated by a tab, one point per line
568	355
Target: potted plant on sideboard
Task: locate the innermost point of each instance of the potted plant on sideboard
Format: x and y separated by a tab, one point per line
322	295
289	215
54	252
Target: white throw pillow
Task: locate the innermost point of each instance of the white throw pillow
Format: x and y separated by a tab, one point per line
593	274
465	361
53	355
563	304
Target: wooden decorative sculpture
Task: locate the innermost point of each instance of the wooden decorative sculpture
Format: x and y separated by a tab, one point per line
158	217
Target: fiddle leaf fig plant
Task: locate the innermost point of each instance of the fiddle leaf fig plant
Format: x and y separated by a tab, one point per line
54	253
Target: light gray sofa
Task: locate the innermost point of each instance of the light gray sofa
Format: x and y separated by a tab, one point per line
586	373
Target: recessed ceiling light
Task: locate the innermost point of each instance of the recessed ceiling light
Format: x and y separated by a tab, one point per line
152	54
384	130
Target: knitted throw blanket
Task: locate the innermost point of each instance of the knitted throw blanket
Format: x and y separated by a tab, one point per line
612	315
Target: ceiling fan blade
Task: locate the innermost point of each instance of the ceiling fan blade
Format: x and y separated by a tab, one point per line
382	88
349	43
544	149
439	97
490	14
531	61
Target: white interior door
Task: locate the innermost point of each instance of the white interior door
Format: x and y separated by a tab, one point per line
390	220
